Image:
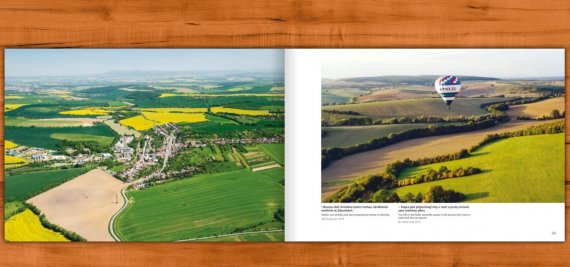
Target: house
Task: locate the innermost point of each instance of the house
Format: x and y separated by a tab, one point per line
39	157
58	157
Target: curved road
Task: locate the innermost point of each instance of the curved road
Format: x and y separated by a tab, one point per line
112	221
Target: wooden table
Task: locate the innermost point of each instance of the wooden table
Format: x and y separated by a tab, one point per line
284	23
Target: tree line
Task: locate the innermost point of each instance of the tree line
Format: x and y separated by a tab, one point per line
328	155
553	115
344	112
546	128
365	187
80	147
433	175
526	100
497	108
502	106
72	236
435	194
363	121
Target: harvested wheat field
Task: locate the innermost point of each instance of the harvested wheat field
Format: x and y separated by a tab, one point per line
538	109
63	122
83	205
374	161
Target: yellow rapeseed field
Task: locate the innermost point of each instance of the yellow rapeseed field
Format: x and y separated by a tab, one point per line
218	95
180	110
26	226
149	119
8	107
138	123
13	97
86	111
238	111
13	162
162	118
9	144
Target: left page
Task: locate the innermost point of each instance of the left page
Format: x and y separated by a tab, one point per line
144	145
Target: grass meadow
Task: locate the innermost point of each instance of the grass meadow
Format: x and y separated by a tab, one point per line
255	237
201	206
519	169
275	151
49	137
415	107
27	185
352	135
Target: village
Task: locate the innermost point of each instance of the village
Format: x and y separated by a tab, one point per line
139	158
42	155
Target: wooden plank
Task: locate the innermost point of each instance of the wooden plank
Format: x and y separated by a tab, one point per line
277	23
224	23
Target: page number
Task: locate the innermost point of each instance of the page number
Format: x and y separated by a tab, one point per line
554	233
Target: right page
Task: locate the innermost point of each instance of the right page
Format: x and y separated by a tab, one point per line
425	144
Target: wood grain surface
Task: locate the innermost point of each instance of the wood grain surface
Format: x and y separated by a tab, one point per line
284	23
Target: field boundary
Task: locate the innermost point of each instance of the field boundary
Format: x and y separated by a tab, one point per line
112	221
236	234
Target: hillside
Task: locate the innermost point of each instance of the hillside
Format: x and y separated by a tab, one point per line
504	178
352	135
405	79
415	107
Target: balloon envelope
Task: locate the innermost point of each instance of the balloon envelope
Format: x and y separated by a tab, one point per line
447	87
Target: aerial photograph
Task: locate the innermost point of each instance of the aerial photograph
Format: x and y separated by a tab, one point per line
443	125
144	145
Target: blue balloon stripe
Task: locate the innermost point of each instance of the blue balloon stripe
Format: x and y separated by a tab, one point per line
448	94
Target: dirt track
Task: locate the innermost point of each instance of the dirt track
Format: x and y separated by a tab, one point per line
374	161
83	205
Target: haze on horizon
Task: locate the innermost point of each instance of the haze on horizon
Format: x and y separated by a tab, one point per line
497	63
81	62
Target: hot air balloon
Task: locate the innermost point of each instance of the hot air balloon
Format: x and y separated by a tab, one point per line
447	87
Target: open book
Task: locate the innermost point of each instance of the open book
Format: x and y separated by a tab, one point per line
284	145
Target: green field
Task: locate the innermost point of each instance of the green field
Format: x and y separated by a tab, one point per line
351	135
45	111
225	129
102	140
151	100
253	237
119	168
341	95
24	122
201	206
24	186
13	208
121	129
275	151
415	107
219	119
519	169
42	137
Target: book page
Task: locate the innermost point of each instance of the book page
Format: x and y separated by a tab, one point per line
425	145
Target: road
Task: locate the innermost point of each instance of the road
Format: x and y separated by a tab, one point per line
112	221
169	144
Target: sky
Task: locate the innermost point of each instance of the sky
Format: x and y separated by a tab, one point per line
70	62
498	63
